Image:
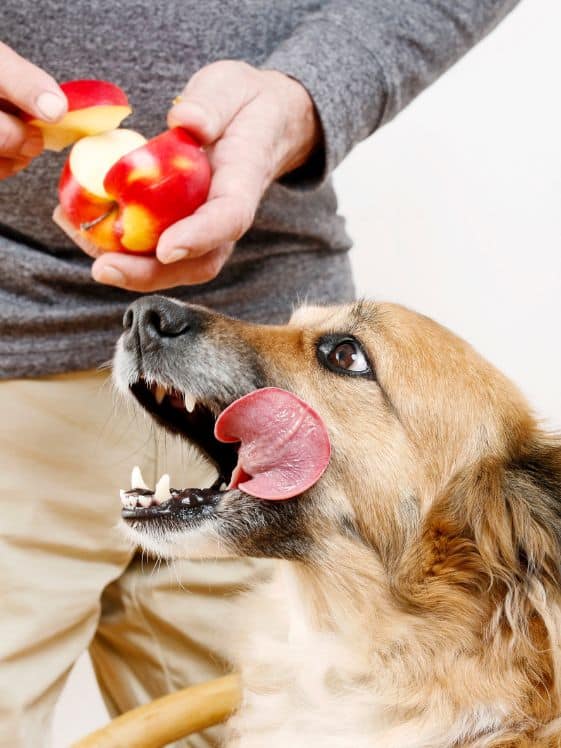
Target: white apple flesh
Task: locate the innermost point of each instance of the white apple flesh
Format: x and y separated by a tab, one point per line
93	156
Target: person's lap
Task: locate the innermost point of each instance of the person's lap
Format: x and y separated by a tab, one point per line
68	578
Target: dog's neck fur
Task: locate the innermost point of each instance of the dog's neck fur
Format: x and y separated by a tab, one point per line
390	679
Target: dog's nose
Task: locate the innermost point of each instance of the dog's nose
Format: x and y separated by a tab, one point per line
156	317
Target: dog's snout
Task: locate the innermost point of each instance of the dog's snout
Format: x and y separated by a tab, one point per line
155	317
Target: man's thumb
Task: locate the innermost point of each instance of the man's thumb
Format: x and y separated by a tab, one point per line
29	87
213	97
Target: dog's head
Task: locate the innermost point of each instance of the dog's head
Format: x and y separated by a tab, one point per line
428	439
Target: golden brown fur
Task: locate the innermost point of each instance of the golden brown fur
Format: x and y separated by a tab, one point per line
428	611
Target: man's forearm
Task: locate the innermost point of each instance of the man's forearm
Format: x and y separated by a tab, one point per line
363	61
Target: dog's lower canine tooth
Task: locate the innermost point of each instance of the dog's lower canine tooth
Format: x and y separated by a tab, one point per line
137	481
190	402
160	393
162	492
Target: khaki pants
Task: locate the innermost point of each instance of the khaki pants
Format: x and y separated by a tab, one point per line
69	581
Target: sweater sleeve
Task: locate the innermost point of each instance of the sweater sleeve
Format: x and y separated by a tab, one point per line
363	61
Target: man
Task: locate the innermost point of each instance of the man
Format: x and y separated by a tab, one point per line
316	78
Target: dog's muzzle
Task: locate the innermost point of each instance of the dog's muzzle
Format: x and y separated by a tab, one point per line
197	375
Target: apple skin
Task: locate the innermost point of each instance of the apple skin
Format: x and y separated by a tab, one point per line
83	207
94	106
149	189
82	94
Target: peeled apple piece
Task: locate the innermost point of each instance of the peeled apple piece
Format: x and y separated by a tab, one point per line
93	107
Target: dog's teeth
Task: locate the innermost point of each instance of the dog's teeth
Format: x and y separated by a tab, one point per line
190	402
162	492
223	487
160	393
137	481
144	501
128	502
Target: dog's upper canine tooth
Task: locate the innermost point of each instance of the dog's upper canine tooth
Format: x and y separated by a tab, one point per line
190	402
159	393
137	481
162	492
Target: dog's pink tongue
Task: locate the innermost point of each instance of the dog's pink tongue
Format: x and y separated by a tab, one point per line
284	443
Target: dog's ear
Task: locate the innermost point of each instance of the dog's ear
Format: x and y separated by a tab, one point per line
492	541
493	536
532	488
512	512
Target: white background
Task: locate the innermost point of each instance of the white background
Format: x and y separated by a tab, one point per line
455	210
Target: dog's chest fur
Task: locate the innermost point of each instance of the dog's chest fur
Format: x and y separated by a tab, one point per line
304	688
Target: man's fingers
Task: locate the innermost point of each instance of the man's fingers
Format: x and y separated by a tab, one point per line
77	237
6	167
146	274
10	166
213	97
29	87
17	139
238	184
222	220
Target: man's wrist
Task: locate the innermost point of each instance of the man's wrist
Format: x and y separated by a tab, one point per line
301	133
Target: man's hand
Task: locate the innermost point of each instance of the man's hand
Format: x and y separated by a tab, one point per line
24	88
257	125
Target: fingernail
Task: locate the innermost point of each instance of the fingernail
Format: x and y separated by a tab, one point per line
109	275
186	111
50	105
175	256
32	147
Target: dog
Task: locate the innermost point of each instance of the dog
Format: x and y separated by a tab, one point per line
416	598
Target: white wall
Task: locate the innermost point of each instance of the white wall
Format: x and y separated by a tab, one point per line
455	209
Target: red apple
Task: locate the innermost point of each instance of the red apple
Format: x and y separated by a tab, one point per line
122	191
93	107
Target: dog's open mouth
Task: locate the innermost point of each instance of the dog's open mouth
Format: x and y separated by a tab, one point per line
191	418
269	444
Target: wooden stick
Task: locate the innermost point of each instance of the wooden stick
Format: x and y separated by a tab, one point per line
171	717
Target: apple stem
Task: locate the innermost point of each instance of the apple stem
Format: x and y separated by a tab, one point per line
87	225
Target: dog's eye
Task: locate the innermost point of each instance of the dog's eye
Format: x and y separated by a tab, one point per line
348	356
344	356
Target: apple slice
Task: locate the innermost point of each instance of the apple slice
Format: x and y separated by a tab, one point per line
93	107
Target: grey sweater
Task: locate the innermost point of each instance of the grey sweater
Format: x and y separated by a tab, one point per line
361	60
